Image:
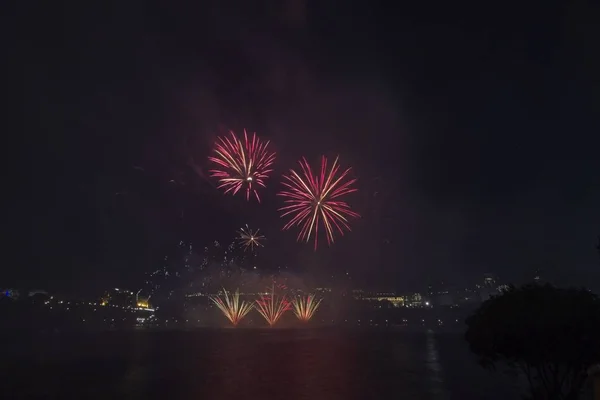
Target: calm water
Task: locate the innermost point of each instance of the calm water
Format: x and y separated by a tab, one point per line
247	364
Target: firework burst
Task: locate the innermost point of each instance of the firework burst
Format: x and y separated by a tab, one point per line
241	164
272	308
232	307
250	239
304	307
314	200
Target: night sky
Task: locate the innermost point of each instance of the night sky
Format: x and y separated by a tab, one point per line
473	130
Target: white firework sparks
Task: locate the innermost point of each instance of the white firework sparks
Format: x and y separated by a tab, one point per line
250	239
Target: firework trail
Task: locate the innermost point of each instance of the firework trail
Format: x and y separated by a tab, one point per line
272	308
304	307
250	239
232	307
241	164
315	199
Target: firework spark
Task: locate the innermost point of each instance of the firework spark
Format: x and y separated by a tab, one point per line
314	199
241	164
249	238
304	307
272	308
232	307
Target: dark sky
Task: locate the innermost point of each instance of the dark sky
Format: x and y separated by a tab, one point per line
473	130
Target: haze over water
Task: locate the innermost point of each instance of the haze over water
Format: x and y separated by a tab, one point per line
249	364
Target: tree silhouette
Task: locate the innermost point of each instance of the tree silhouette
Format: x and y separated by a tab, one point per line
550	335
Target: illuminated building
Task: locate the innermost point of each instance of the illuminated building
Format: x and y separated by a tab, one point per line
489	286
397	301
414	300
118	297
141	302
490	280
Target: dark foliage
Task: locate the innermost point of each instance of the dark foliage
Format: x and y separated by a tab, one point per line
551	335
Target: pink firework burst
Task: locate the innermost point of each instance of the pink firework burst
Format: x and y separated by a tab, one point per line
315	200
241	164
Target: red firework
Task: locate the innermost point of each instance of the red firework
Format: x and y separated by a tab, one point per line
241	164
271	307
314	200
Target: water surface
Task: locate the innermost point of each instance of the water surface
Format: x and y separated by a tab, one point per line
261	364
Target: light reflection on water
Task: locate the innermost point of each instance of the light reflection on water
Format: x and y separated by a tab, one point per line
253	364
435	375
